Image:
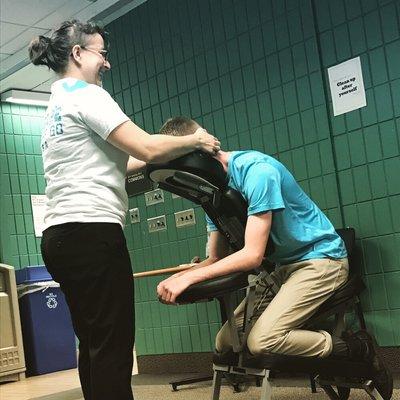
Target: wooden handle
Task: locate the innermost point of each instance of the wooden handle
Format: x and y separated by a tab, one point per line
162	271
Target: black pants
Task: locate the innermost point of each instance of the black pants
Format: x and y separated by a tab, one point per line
91	263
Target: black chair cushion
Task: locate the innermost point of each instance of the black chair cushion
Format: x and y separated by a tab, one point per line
197	163
217	287
348	236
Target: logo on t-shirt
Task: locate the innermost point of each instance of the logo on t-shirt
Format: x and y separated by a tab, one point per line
53	125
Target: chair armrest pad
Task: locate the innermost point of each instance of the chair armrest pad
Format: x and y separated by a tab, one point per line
217	287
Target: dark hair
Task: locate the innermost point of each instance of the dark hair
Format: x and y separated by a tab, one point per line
55	51
178	126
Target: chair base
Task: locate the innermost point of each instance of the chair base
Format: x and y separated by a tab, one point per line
308	365
343	384
189	381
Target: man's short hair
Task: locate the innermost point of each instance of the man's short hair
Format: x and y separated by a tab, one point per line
179	126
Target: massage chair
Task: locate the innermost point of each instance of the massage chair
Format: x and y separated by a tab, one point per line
200	178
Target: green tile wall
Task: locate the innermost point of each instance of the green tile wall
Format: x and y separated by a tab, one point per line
21	175
366	146
250	72
254	73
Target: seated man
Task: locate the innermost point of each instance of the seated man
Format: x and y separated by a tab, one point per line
311	262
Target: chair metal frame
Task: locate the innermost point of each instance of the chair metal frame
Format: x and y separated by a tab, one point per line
200	178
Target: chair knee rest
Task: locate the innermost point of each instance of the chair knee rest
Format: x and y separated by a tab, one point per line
308	365
312	365
213	288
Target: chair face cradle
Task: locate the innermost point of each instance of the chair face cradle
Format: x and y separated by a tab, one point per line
200	178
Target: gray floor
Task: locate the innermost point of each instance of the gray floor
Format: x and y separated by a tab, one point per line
152	387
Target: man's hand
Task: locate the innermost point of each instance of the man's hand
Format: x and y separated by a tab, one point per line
169	289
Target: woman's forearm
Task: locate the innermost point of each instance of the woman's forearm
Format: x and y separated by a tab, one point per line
134	141
162	148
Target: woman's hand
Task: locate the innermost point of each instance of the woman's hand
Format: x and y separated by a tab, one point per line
206	142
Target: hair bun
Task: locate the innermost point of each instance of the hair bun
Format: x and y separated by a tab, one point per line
38	49
45	40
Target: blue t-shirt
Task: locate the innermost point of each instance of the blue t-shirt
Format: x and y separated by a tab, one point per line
300	230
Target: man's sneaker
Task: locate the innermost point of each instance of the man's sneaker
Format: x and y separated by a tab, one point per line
383	380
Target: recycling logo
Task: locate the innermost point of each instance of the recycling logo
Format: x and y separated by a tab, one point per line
51	300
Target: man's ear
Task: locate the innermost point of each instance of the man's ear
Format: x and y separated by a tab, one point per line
76	52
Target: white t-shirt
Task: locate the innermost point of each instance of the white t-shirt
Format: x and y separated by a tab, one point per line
85	174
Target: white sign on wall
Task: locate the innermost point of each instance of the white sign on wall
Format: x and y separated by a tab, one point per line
347	86
38	202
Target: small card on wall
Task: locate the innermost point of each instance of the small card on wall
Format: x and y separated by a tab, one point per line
38	202
347	86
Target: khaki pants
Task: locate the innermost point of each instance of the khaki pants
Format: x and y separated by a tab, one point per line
304	286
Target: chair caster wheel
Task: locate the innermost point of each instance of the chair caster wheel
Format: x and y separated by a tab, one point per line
236	388
343	392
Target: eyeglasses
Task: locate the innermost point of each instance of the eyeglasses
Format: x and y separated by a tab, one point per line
103	53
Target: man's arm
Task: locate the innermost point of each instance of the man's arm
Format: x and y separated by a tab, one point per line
218	248
249	257
134	165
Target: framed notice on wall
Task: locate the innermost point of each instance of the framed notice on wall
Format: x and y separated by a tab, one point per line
38	202
347	86
137	183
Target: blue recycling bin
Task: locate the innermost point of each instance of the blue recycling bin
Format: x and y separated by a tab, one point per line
48	336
